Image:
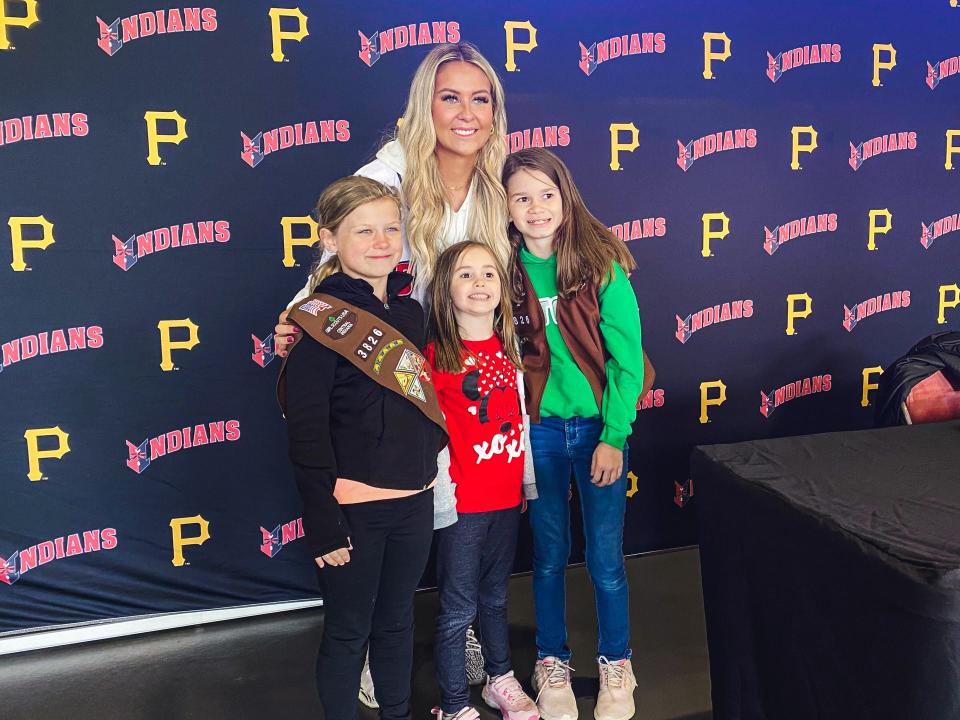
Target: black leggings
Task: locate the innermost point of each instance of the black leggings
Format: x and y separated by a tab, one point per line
371	598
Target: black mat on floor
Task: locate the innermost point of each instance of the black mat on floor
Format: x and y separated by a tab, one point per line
263	668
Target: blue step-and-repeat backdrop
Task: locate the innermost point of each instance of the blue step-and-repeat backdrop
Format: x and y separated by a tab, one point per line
785	174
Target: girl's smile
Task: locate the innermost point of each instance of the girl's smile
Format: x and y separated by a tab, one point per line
534	204
368	241
475	285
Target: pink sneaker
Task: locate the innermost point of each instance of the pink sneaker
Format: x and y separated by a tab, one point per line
505	694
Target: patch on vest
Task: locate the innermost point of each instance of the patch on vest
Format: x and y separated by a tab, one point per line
378	363
315	307
342	323
407	374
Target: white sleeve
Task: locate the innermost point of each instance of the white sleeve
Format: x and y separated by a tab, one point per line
304	292
380	171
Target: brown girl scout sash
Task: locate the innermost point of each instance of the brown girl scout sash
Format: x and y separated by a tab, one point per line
376	348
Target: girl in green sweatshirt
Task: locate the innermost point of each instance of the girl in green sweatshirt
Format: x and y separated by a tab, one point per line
577	317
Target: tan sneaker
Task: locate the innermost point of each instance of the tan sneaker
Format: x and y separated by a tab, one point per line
617	683
551	683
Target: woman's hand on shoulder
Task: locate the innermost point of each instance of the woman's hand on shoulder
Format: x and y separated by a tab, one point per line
607	465
283	335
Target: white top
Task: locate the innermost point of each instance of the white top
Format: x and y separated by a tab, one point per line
388	168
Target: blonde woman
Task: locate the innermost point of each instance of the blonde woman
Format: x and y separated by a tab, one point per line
445	162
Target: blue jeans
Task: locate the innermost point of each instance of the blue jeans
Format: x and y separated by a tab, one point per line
474	562
562	447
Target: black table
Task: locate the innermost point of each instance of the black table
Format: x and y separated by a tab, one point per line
831	574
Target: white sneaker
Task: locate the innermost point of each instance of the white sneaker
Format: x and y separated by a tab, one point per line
476	675
467	713
551	682
366	685
617	683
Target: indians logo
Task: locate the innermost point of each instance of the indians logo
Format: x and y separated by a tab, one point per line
799	388
682	492
263	350
547	136
425	33
126	253
9	573
49	342
23	561
943	69
799	57
711	316
879	145
114	35
273	541
791	230
252	153
874	305
40	127
929	233
689	153
653	399
140	456
309	133
622	46
638	229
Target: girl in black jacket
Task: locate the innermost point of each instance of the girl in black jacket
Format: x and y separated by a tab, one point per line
364	458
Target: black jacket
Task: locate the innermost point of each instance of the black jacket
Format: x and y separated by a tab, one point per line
937	352
341	423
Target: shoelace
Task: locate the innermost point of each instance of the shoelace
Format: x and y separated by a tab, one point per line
509	687
557	676
467	712
472	642
610	672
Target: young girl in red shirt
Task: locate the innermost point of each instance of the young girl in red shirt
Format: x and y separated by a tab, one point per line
476	364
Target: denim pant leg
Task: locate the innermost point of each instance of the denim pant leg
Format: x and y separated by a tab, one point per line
495	568
459	553
550	523
603	510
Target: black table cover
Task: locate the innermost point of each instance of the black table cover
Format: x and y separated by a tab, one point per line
831	574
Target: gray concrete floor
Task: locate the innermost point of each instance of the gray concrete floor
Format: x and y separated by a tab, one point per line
264	667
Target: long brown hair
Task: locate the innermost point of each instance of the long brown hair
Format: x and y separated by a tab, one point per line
339	199
449	350
584	246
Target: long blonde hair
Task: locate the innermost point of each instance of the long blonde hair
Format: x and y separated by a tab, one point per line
423	190
339	199
449	350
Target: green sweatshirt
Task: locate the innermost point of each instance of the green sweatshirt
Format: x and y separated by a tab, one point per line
568	392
